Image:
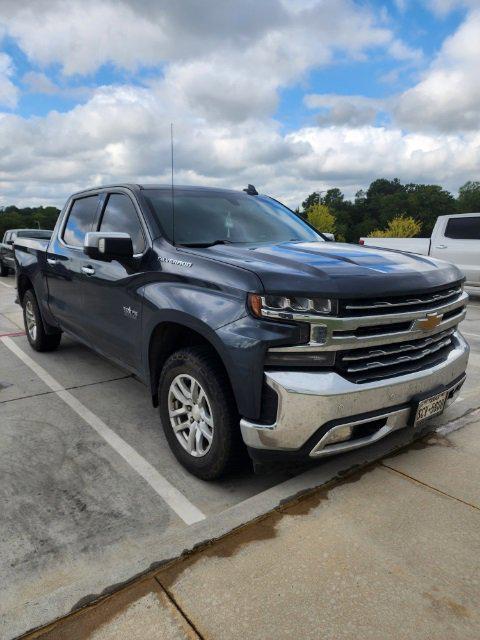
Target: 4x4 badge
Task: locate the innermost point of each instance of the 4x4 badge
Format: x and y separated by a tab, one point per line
130	313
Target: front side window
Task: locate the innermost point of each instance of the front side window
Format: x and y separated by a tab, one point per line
80	220
120	215
223	216
467	228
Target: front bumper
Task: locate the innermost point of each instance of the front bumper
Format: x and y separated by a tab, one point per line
312	405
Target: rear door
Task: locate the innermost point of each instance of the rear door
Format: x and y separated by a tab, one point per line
113	290
460	245
65	259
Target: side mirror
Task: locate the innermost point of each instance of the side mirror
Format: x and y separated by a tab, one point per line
330	236
9	242
108	245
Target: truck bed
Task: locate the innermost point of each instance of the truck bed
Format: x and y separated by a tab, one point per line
411	245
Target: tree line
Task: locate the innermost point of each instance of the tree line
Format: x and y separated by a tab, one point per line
387	208
13	217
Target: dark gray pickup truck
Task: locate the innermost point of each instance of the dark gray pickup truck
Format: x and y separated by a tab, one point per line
248	326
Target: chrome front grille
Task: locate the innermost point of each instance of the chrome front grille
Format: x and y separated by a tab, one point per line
389	360
399	304
391	339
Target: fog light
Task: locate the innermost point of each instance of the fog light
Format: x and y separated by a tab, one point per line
339	435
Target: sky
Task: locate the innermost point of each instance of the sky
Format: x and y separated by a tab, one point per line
293	96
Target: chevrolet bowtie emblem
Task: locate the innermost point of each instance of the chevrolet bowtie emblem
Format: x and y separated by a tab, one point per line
431	321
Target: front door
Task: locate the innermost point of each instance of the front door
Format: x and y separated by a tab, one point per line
113	290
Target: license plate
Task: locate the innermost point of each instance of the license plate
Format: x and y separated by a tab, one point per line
430	407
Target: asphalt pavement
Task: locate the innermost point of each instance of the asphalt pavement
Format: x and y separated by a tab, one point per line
92	496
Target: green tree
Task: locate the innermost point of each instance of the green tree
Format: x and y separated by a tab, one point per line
320	217
333	198
12	217
468	200
399	227
310	201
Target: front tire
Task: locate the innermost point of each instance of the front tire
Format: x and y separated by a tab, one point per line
3	270
198	413
36	335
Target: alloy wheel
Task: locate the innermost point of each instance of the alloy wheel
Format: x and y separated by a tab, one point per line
31	320
190	415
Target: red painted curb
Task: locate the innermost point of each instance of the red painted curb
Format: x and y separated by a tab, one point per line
12	335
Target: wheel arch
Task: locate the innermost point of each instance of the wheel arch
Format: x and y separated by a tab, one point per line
23	285
169	335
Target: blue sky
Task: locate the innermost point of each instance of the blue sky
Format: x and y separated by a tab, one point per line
416	25
296	92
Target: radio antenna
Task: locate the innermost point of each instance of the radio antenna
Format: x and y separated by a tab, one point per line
172	189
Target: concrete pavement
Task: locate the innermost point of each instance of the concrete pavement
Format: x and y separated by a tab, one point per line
392	550
78	520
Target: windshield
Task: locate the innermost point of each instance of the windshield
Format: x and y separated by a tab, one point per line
206	217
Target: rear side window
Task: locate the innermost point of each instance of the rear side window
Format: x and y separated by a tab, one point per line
463	228
80	220
120	215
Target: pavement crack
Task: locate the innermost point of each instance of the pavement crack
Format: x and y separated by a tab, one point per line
429	486
78	386
175	604
90	384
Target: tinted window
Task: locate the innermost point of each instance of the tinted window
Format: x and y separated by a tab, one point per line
463	228
206	216
120	215
80	220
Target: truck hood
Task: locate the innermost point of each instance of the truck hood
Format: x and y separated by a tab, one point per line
336	269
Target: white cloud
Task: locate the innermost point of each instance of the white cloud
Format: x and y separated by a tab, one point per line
442	7
8	91
122	134
83	35
221	67
448	96
341	110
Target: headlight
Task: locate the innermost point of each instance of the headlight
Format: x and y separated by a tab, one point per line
289	307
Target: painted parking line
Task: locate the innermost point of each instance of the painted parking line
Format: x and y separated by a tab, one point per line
474	335
187	511
9	286
14	334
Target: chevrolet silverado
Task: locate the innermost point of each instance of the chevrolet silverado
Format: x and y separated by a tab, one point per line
245	323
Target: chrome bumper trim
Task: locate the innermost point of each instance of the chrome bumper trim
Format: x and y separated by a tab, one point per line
309	400
394	420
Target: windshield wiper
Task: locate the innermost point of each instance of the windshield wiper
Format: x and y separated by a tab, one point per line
204	244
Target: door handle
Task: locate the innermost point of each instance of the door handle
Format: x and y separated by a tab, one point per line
89	271
52	261
441	246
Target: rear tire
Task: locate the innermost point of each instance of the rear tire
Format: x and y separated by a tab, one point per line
3	270
203	433
34	328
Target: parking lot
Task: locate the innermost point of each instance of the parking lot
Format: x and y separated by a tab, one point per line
91	493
